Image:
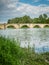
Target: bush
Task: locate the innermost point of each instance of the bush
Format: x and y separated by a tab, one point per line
10	52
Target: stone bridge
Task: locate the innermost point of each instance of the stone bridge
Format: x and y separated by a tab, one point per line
17	26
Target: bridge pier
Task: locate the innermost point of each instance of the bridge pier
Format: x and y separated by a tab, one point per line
2	26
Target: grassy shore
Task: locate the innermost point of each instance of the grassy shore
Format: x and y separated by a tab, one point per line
12	54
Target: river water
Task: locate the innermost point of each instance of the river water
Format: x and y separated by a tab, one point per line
37	37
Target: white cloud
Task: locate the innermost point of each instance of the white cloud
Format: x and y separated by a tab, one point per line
47	0
7	3
11	6
17	9
1	22
33	10
43	5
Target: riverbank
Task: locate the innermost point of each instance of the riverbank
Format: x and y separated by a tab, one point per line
12	54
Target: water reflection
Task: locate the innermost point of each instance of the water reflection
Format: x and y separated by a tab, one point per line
38	37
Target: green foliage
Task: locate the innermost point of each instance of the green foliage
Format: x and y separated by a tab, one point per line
44	16
36	20
12	54
47	20
26	19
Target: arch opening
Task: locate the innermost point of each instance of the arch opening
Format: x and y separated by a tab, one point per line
0	28
36	26
11	26
25	26
46	26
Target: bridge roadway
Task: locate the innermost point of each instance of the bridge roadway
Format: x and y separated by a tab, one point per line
17	26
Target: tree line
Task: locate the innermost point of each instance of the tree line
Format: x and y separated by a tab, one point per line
43	18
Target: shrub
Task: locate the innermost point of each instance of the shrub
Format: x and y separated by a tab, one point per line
10	52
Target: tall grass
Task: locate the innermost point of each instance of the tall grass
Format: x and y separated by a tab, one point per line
12	54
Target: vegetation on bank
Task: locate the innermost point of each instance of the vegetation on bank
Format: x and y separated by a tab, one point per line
12	54
44	19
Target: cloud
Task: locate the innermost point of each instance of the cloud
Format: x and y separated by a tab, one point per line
14	8
1	22
5	3
33	10
47	0
43	5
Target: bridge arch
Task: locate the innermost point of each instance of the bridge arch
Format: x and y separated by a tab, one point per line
37	26
10	26
24	26
0	28
17	26
46	26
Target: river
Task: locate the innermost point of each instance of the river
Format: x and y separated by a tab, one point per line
37	37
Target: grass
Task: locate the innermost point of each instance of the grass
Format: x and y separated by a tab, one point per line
12	54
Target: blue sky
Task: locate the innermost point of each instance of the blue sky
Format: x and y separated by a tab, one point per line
35	2
17	8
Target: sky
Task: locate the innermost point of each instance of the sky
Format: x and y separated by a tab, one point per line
17	8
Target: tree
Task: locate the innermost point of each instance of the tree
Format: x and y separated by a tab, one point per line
47	21
35	20
42	18
26	19
9	21
45	16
